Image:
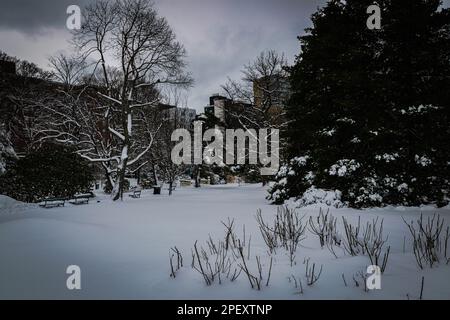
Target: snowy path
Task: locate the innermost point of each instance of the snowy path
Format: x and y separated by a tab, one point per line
123	250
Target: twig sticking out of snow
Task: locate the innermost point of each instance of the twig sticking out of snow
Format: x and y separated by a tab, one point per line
227	258
244	268
230	237
373	243
421	288
270	272
370	242
172	273
428	245
236	274
447	238
356	281
258	262
201	270
179	261
343	278
179	257
287	231
310	272
351	241
255	281
268	234
297	284
363	277
324	226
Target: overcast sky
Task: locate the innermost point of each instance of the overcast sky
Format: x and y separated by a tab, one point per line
219	35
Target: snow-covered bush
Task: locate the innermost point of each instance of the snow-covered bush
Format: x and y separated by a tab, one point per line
343	168
386	180
53	170
289	180
321	196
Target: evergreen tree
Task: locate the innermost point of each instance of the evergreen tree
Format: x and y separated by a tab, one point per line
369	107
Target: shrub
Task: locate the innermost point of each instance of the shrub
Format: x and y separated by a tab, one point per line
51	171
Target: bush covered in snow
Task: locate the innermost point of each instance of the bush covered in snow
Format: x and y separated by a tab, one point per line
53	170
348	182
320	196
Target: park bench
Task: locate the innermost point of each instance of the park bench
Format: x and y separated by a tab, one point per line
52	202
136	194
185	183
81	198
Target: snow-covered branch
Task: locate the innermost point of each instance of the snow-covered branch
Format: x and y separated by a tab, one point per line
110	98
117	134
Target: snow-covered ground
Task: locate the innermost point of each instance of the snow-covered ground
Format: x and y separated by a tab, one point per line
123	249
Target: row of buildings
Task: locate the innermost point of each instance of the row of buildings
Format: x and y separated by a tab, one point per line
269	98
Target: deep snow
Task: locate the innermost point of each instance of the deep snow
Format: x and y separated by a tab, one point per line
123	249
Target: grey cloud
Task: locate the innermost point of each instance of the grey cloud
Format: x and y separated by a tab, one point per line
32	16
222	36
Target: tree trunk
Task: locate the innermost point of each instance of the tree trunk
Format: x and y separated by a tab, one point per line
138	176
265	181
155	176
120	182
170	187
127	127
117	192
197	178
108	176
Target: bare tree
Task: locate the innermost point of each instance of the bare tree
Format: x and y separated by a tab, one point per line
172	118
68	70
171	171
264	89
24	120
25	68
27	121
135	51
